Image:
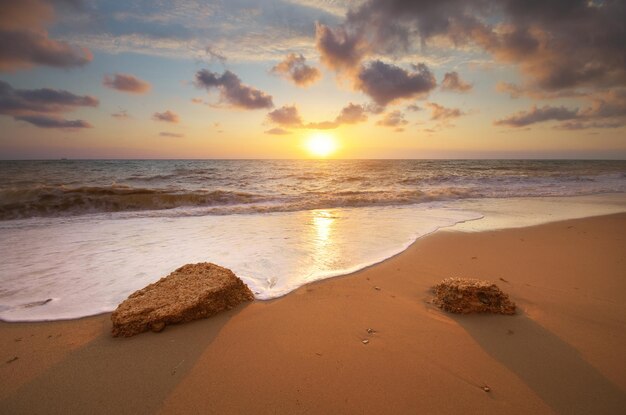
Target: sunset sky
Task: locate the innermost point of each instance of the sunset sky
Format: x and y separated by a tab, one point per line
261	79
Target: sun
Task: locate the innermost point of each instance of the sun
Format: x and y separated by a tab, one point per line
321	144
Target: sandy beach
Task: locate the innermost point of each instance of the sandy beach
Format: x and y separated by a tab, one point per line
303	353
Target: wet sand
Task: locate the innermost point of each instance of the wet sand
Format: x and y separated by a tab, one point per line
304	353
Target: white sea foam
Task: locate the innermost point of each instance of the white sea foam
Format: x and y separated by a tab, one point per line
87	265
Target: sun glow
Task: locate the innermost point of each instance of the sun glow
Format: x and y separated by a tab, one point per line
321	144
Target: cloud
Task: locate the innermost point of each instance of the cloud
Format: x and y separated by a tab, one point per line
322	125
285	116
173	135
126	83
393	119
441	113
452	82
277	131
339	50
121	115
607	110
24	42
44	100
42	107
557	45
386	83
413	107
232	91
289	117
294	68
352	114
44	121
536	115
514	90
167	116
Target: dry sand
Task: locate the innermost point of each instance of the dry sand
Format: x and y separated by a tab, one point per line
563	353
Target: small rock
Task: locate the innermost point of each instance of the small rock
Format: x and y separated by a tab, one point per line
486	388
377	288
370	331
157	327
365	341
466	295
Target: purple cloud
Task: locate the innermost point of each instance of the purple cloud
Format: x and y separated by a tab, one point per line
285	116
441	113
45	121
536	115
393	119
386	83
232	91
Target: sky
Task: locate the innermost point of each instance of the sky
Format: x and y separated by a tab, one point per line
311	78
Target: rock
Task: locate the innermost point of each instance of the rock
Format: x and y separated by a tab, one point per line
192	292
365	341
466	295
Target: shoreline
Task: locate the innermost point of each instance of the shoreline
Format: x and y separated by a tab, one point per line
315	245
303	352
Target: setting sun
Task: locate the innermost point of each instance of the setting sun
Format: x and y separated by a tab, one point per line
321	144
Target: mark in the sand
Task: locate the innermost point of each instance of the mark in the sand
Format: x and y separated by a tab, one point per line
503	280
13	359
19	339
509	332
377	288
319	354
370	331
177	366
36	303
474	257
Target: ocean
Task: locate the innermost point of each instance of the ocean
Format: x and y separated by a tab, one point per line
78	236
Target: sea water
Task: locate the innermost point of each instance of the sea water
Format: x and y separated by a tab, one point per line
77	237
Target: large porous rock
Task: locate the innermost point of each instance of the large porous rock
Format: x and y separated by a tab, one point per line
191	292
466	295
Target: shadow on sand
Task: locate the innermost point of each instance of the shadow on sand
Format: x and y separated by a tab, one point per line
119	375
552	368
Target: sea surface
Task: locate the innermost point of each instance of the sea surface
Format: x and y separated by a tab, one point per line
77	237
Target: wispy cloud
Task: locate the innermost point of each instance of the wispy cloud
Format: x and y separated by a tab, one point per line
171	135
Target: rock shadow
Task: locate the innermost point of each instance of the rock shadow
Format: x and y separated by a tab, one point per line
119	375
549	366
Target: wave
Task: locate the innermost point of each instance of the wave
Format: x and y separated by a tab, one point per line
63	201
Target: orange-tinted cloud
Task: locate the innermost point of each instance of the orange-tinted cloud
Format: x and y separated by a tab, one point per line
24	41
126	83
453	82
172	135
393	119
294	68
166	116
441	113
285	116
